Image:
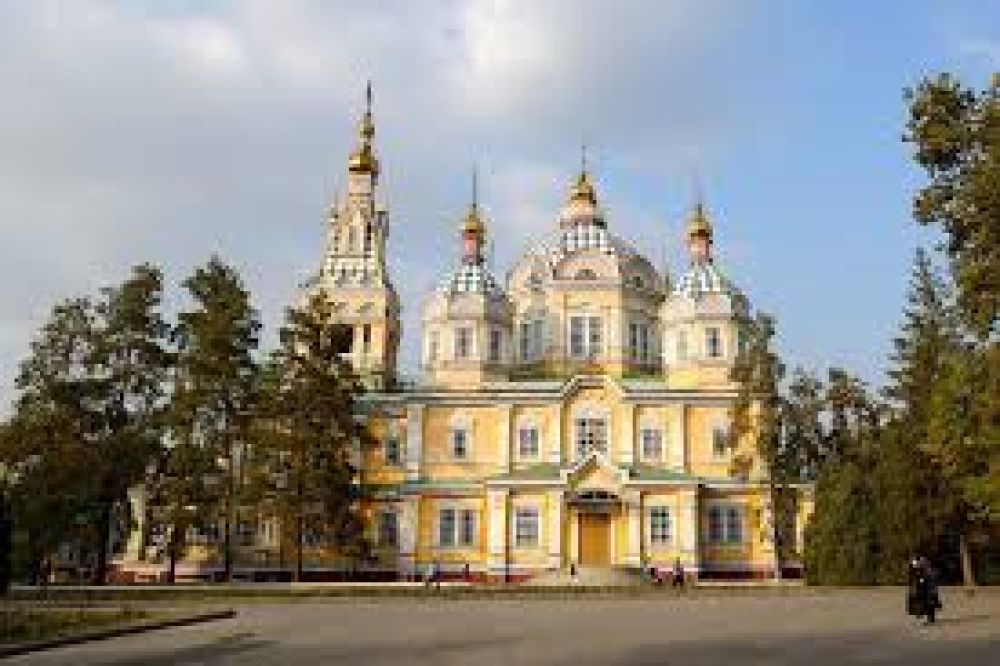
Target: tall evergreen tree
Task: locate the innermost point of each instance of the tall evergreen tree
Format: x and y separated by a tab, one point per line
129	366
758	415
803	420
312	431
216	341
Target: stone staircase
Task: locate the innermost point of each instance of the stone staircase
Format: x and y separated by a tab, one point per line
591	577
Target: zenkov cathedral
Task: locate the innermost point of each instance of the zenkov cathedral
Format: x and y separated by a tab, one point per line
574	415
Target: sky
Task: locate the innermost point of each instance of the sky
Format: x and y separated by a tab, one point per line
167	131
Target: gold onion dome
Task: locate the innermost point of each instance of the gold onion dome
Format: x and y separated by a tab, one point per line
583	190
473	221
698	223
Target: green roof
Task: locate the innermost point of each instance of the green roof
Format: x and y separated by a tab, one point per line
540	472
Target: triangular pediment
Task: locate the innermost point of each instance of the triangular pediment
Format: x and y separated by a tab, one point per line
594	472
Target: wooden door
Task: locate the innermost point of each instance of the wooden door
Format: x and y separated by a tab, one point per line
595	540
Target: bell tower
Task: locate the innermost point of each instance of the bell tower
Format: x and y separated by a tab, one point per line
354	274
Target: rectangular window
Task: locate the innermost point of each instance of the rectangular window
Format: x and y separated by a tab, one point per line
433	344
734	525
463	342
713	342
720	442
652	443
586	337
527	439
393	455
387	528
595	337
633	341
660	531
526	527
716	526
576	339
495	343
366	339
467	533
682	346
591	435
446	528
460	443
644	342
525	341
537	338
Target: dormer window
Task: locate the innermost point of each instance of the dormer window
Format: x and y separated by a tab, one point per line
713	342
463	342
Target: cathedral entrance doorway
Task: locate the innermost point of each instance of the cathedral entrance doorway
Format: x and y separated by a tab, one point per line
595	539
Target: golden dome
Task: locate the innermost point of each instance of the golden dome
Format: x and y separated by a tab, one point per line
473	221
698	223
583	190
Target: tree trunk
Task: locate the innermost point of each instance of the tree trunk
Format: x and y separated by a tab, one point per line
298	548
172	550
103	536
965	554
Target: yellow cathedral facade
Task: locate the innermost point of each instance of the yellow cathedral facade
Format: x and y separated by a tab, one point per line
573	416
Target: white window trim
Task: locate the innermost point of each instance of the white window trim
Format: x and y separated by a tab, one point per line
721	340
588	353
590	412
671	541
464	424
528	424
539	520
472	342
459	509
651	425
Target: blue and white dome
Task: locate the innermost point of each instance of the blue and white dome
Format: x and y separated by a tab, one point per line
702	278
471	279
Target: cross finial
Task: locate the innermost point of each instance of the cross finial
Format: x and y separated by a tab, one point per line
368	96
583	157
475	186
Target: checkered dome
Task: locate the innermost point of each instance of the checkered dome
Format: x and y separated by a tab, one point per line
702	278
570	240
471	279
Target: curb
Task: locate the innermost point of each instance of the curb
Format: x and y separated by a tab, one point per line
114	632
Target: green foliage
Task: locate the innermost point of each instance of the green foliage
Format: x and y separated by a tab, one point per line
955	133
310	431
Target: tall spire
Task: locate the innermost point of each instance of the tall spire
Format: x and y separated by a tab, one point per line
473	227
363	159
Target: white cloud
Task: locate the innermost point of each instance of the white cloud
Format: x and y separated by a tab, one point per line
166	131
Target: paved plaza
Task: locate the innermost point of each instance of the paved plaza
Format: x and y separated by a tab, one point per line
797	628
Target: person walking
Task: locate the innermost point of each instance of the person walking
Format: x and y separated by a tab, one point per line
678	574
922	599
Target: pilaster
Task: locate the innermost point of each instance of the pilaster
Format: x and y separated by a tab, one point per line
505	412
408	521
688	529
633	516
626	450
555	530
678	444
555	445
497	554
414	441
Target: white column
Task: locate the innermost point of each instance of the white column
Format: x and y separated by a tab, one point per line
555	445
555	528
678	438
408	521
503	436
573	536
496	554
626	447
687	527
414	441
633	513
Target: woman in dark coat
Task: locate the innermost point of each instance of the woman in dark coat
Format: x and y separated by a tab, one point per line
922	599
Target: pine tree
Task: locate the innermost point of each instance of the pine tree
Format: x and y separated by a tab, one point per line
128	368
311	431
216	372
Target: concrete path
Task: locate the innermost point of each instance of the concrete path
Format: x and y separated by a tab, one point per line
841	627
